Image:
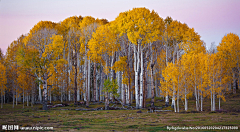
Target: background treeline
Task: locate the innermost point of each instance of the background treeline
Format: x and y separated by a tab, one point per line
137	56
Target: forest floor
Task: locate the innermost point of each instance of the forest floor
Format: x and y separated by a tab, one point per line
69	119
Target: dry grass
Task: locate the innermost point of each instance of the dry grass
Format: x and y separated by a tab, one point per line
121	120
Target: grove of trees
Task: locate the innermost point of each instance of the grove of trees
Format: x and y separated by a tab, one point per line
137	56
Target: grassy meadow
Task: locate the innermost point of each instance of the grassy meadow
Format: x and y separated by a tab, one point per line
69	119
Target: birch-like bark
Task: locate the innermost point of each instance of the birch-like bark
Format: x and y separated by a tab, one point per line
97	87
69	95
211	102
45	92
174	91
111	74
141	78
78	75
186	102
84	77
136	68
178	83
65	71
69	68
201	94
78	94
101	84
94	82
75	79
152	87
40	91
119	80
106	101
166	98
128	94
123	93
213	94
144	89
214	101
177	97
219	103
89	78
195	86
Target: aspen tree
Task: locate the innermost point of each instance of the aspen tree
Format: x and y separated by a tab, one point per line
88	26
3	81
138	24
229	48
48	46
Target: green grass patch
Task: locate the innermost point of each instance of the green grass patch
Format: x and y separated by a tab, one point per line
68	119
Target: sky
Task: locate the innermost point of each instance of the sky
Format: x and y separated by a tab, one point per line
212	19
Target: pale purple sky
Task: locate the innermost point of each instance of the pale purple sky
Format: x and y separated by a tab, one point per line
212	19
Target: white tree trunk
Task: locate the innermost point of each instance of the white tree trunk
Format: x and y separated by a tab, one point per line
119	80
141	79
178	100
195	87
211	102
78	89
45	92
97	87
101	84
78	94
173	99
78	66
69	95
196	98
214	101
106	101
166	98
85	77
123	93
89	73
186	102
178	92
40	92
136	68
111	75
127	94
